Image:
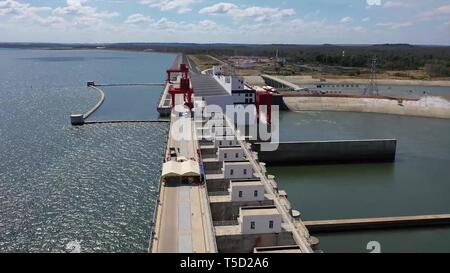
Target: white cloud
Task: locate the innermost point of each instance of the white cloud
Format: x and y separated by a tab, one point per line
346	20
257	13
15	8
219	8
137	18
78	7
394	4
27	12
374	2
443	11
180	6
395	25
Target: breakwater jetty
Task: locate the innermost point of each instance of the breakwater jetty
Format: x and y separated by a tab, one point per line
82	119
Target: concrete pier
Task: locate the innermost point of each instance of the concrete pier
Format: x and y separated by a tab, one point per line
77	119
378	223
314	152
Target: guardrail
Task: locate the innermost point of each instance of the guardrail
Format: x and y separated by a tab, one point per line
219	193
226	223
300	236
153	222
155	209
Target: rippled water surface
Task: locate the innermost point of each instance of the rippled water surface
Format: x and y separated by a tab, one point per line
417	183
95	184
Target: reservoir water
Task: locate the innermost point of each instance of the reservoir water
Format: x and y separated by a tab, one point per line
95	185
417	183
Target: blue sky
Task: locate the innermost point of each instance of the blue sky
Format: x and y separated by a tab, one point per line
230	21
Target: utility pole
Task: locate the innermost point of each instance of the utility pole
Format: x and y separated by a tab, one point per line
372	88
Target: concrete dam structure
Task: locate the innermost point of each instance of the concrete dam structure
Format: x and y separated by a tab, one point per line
215	195
432	107
317	152
298	99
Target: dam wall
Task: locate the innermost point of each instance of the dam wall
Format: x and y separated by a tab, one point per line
432	107
279	100
318	152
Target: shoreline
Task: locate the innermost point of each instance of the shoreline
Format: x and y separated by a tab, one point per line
296	79
306	80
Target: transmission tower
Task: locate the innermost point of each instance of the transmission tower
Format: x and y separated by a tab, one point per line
372	89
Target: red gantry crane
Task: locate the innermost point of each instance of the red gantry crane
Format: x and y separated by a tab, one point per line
185	85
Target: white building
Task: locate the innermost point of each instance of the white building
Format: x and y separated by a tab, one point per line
259	220
237	170
225	141
222	131
228	154
245	191
235	86
218	70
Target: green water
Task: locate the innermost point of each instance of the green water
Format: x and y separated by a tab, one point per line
417	183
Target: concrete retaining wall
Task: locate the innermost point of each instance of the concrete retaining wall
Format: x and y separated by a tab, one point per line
315	152
227	211
278	100
434	107
246	243
99	103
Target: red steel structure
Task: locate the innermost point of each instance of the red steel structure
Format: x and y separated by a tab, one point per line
185	85
264	98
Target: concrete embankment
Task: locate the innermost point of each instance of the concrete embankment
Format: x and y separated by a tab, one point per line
434	107
102	99
317	152
79	119
302	80
378	223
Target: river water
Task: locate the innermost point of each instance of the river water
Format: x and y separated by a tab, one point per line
95	185
92	186
417	183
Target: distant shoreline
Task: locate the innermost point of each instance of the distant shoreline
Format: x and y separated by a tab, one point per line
299	80
193	48
98	49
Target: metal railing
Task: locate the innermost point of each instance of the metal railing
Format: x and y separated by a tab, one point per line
226	223
300	236
153	222
219	193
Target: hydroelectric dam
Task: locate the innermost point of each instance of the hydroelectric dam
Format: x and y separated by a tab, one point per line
215	194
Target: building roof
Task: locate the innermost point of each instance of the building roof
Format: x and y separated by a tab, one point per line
247	184
259	211
177	169
206	85
278	249
242	162
232	148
